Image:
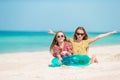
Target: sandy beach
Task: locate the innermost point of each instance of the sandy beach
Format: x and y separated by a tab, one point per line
34	66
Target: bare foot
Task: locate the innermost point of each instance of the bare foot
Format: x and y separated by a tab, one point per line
93	59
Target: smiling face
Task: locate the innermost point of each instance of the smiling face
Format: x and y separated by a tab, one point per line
60	37
80	34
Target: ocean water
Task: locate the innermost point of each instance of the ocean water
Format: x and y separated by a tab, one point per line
16	41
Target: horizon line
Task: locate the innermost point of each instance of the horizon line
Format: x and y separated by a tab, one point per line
48	30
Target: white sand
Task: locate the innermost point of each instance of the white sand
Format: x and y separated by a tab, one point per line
34	66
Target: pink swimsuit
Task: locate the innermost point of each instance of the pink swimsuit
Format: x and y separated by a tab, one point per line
66	47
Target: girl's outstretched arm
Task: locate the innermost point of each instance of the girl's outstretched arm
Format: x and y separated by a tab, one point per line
102	35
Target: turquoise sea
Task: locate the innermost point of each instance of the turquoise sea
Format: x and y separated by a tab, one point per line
24	41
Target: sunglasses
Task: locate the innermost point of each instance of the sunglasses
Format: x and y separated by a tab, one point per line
82	34
60	36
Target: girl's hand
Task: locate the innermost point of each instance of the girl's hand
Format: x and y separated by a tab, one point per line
51	32
64	53
113	32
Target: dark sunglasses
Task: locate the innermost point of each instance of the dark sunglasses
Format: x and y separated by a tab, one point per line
60	36
82	34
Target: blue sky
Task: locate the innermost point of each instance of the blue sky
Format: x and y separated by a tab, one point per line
65	15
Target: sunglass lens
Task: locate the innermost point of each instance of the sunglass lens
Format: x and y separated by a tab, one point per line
60	36
80	34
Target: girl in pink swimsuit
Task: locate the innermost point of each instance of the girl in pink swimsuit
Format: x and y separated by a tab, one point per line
60	47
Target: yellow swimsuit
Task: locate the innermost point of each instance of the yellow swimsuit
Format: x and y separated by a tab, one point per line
80	49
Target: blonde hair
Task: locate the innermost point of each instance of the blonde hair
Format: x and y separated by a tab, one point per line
85	33
55	42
